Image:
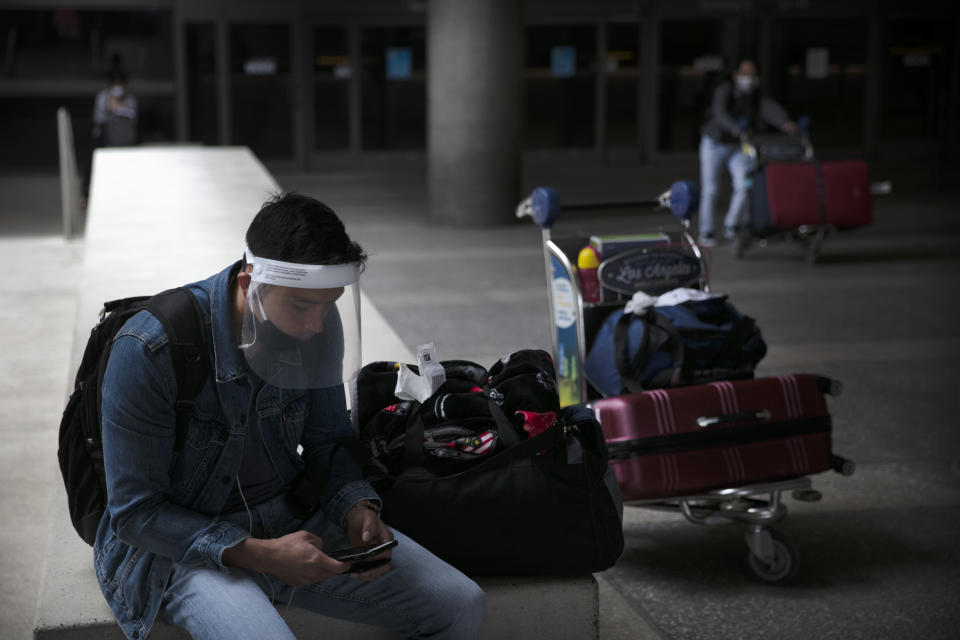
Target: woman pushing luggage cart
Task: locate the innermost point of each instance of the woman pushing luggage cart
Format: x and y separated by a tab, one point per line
795	196
718	451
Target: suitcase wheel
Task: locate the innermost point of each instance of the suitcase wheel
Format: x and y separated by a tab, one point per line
773	557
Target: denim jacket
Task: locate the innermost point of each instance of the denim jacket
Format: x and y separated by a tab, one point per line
163	505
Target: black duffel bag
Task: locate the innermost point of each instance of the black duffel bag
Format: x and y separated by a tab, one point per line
543	505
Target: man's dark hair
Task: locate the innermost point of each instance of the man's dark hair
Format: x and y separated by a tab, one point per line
296	228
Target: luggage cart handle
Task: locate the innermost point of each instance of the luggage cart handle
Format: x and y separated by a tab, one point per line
743	416
543	205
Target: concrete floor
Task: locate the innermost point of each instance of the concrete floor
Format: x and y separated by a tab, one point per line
39	290
878	313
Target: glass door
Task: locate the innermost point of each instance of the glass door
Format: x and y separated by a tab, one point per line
916	79
201	81
261	89
622	75
332	74
559	81
819	70
394	88
696	55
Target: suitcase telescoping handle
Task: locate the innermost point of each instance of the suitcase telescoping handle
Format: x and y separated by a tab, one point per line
752	415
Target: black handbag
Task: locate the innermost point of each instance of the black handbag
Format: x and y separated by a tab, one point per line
544	505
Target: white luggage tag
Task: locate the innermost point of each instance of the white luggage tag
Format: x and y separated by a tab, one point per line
411	386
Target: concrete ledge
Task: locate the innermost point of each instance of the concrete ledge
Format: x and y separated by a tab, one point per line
71	607
161	217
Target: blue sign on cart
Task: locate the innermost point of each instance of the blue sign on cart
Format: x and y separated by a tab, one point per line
565	311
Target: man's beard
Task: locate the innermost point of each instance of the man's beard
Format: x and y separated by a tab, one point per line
284	361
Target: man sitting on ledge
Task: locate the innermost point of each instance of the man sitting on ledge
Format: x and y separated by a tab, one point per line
207	534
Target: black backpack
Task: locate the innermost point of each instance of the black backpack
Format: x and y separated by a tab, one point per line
81	445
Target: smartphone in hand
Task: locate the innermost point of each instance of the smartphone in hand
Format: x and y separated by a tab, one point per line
359	553
358	556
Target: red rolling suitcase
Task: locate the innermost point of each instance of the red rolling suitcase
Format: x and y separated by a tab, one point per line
796	199
688	440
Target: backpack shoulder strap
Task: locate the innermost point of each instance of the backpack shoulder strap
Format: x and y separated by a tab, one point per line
179	313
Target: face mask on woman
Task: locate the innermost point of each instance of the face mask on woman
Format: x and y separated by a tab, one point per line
746	84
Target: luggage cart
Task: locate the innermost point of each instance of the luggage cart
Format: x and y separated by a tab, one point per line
752	229
670	259
755	228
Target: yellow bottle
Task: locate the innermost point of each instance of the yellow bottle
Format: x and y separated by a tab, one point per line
587	263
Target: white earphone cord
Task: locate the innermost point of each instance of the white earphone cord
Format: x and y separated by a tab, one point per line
250	531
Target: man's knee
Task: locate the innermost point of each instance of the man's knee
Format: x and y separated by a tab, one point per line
457	609
473	601
210	603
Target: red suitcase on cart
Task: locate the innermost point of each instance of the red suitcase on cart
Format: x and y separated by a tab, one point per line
795	200
688	440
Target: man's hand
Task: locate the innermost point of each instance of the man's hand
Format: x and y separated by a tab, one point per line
789	127
364	527
296	559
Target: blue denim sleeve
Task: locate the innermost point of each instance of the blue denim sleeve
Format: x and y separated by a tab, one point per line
139	425
327	438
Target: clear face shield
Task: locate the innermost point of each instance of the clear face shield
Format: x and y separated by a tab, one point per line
301	323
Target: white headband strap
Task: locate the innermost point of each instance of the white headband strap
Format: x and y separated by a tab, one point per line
303	276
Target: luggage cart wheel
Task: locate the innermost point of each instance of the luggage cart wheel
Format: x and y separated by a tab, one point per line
807	495
836	388
773	557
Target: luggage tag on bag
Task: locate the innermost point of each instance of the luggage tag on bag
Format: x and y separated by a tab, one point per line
411	386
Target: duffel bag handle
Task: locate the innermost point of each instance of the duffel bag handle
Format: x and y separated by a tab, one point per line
629	373
413	441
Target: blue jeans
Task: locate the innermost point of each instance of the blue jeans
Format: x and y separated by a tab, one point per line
420	597
713	156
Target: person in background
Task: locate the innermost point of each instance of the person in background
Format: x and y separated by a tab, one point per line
114	120
737	106
115	113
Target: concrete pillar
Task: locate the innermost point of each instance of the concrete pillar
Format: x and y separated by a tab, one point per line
474	110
